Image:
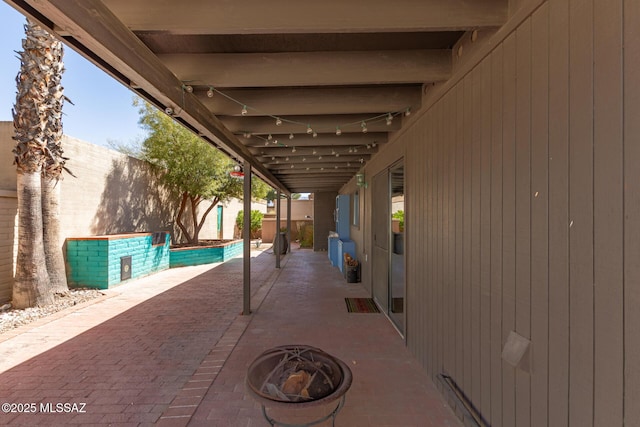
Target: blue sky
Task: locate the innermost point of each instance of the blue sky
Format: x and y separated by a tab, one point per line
102	110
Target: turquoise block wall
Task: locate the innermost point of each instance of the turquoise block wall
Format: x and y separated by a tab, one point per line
95	262
186	257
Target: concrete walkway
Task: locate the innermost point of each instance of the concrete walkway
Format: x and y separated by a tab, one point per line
172	349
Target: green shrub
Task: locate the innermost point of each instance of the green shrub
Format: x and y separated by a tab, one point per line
256	222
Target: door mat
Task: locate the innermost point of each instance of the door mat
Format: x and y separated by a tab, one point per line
361	305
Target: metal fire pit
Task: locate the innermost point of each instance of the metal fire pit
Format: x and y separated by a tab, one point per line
298	377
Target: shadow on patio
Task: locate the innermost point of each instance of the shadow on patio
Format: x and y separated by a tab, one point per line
180	357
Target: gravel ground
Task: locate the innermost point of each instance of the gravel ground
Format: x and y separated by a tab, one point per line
12	318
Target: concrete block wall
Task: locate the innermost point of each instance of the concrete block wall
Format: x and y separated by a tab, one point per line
96	261
185	257
111	193
232	250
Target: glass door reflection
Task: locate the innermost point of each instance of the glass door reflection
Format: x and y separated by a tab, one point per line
397	265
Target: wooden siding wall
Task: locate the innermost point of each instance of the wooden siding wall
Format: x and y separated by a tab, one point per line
523	214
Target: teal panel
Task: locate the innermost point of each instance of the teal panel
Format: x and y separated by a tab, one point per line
96	263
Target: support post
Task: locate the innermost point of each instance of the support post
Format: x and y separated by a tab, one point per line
289	200
276	245
246	230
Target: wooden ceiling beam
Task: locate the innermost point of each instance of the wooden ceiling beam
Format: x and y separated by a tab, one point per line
288	69
315	173
327	164
293	16
298	160
349	124
309	151
310	101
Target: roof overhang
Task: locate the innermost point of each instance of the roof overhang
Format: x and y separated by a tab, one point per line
305	92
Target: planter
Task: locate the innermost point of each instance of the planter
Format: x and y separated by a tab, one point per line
197	255
102	262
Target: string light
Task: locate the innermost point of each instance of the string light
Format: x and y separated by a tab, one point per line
388	116
290	136
314	151
315	134
293	150
269	137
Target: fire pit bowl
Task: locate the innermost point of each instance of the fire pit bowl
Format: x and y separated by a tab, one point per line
298	377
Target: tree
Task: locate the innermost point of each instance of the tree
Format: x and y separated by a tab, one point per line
52	170
190	165
38	158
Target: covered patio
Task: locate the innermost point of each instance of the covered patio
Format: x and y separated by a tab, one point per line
486	152
173	350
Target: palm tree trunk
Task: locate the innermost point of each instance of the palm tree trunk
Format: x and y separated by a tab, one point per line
31	282
38	158
51	235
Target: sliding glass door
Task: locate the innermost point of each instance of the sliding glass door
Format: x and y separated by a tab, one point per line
388	243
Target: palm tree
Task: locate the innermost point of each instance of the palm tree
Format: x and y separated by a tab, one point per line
36	119
54	165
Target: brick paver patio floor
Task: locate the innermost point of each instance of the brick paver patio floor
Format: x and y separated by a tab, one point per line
172	349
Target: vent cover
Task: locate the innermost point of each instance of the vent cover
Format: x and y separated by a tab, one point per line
125	268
